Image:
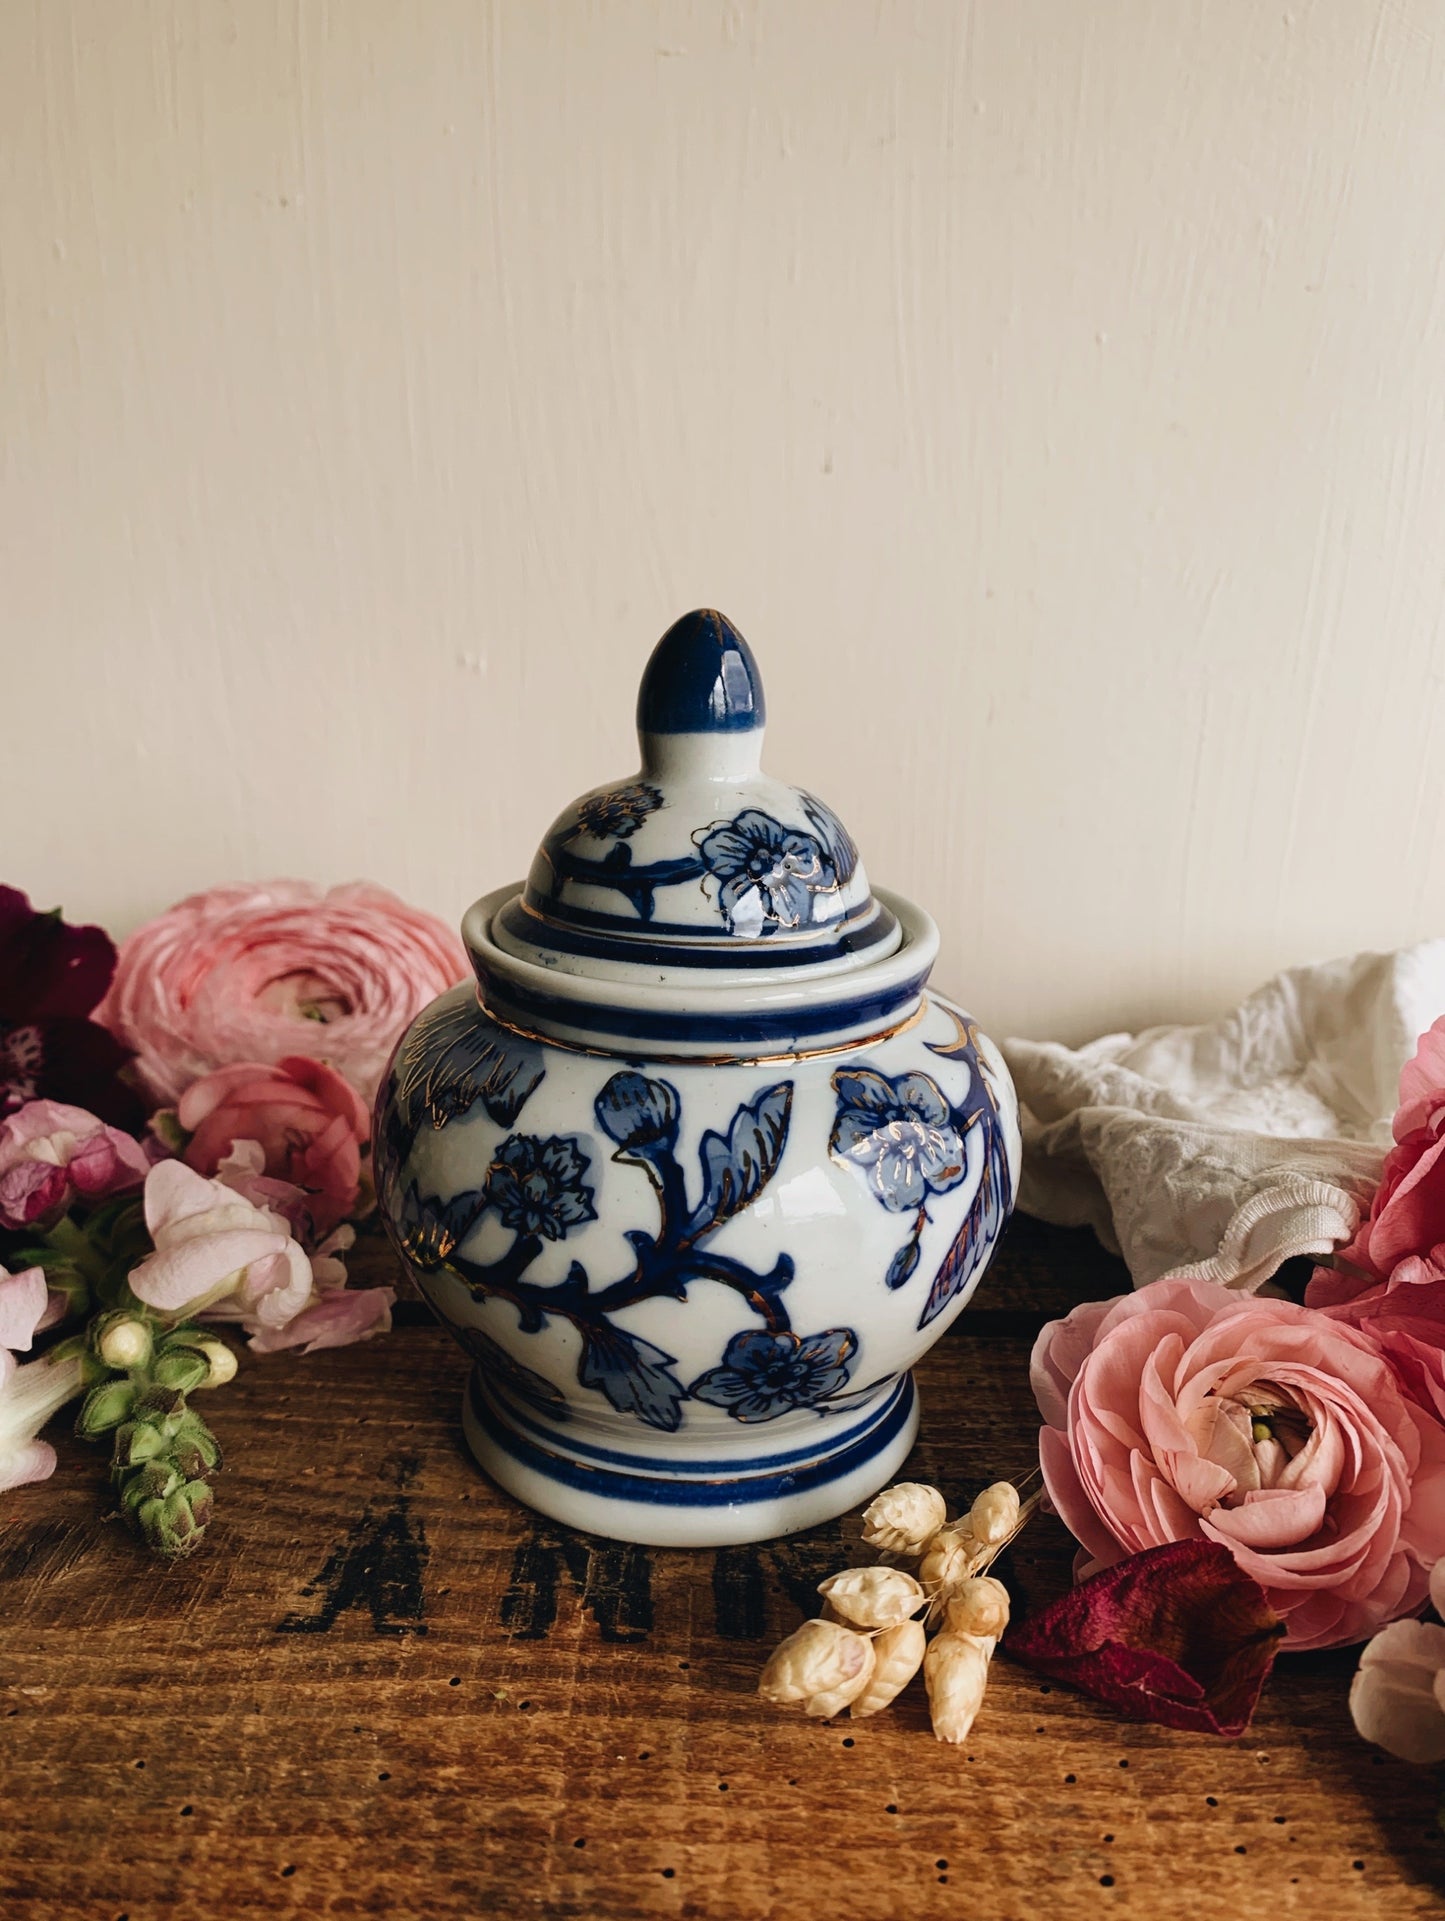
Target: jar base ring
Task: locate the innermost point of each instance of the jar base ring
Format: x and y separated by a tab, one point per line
661	1510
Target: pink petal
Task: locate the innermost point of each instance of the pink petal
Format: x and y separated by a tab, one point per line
174	1277
31	1461
335	1320
29	1190
24	1299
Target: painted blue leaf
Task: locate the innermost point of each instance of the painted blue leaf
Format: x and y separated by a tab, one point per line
430	1229
842	850
737	1168
902	1264
980	1231
454	1056
632	1373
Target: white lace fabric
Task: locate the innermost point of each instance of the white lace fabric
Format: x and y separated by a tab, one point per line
1221	1150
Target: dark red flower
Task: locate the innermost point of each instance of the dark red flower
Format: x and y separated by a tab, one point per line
1179	1635
51	976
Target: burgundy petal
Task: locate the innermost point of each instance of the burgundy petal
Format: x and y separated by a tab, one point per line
80	1063
1179	1635
47	969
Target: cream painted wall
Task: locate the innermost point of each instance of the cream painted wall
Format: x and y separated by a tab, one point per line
1053	391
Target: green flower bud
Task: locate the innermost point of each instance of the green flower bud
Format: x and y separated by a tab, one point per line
173	1524
104	1408
183	1368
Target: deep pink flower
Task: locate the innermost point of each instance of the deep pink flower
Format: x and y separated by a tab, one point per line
52	1155
1180	1635
1402	1240
51	977
243	974
309	1123
1183	1411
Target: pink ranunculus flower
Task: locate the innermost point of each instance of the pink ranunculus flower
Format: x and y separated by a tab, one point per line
1402	1240
1397	1697
29	1395
223	1256
262	973
1182	1411
52	1155
309	1123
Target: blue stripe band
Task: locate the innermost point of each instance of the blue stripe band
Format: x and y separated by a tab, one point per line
676	1466
732	1491
540	930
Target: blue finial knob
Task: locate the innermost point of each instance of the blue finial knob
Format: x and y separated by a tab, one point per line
701	679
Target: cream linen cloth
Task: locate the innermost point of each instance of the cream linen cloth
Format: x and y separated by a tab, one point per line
1220	1151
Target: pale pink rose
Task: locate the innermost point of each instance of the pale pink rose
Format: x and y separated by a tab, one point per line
262	973
29	1395
221	1256
1397	1697
52	1155
309	1123
1401	1243
1182	1411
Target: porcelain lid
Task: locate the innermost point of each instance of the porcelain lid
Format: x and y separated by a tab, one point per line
699	877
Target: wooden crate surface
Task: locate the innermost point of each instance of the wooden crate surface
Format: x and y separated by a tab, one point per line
384	1689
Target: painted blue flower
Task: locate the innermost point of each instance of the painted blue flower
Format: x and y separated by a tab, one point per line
636	1112
537	1188
767	874
764	1375
618	815
902	1131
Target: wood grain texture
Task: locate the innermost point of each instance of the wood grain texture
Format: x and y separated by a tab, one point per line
384	1689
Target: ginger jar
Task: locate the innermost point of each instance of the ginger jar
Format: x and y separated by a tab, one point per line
698	1165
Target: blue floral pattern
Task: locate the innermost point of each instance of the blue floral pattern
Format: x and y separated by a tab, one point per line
536	1186
763	1375
538	1190
767	875
617	815
902	1130
912	1142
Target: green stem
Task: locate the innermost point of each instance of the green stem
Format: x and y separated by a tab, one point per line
68	1240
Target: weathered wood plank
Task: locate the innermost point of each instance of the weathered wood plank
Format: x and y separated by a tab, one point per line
384	1689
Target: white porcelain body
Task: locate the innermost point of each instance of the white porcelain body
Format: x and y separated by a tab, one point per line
694	1289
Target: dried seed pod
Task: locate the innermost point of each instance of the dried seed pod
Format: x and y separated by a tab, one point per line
995	1514
822	1707
897	1657
904	1519
818	1659
978	1605
953	1556
872	1597
955	1671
